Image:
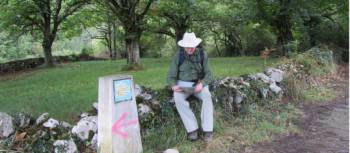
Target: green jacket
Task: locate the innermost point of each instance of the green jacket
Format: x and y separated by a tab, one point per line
189	69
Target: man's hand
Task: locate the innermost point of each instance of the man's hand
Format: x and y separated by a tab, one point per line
198	87
176	88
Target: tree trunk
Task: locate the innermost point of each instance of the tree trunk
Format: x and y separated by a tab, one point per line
109	45
47	44
133	49
109	34
179	32
109	40
311	24
235	43
47	47
216	46
284	36
284	27
114	42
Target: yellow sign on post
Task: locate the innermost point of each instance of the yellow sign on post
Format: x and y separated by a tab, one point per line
118	126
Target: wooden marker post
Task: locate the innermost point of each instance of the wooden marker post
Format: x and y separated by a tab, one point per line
118	126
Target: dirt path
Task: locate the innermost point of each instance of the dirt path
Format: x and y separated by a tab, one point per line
324	129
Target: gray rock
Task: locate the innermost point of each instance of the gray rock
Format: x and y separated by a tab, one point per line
138	90
95	105
171	151
226	79
155	102
155	105
223	81
230	100
232	85
252	107
246	83
274	88
51	123
94	142
65	125
6	125
82	115
84	126
238	99
275	74
264	78
228	82
144	109
53	132
40	133
229	103
22	120
263	92
65	146
172	101
252	77
42	118
146	96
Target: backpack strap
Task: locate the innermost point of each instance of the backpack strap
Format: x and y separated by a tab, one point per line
182	56
201	54
182	59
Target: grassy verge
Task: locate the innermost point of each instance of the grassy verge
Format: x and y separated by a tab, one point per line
231	133
320	94
70	89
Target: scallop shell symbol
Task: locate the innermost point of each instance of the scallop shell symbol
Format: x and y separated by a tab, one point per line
122	89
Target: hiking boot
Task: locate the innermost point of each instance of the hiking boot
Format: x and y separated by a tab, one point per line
208	136
193	136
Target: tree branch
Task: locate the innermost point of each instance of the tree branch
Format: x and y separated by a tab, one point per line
149	3
164	31
58	9
33	21
75	6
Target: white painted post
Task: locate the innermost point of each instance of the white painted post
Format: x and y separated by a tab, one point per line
118	126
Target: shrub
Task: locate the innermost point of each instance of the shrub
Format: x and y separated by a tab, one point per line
340	54
256	38
300	70
323	57
86	52
294	87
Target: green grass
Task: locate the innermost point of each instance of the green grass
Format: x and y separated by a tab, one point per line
69	89
259	125
320	94
231	133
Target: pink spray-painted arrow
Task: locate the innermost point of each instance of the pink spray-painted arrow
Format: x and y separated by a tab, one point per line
116	128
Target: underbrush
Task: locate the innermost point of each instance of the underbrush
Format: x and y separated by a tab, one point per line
307	72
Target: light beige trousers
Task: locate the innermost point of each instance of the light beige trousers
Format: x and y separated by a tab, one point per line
187	116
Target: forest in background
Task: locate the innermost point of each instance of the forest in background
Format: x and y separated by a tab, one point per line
132	29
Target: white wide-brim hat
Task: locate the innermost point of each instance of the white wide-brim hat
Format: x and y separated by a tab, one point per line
189	40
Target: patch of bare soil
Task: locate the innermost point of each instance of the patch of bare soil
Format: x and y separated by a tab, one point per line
324	127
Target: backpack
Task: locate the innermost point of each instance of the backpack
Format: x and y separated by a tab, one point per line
182	59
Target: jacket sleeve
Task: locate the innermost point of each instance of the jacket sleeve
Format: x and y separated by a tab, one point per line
208	78
173	70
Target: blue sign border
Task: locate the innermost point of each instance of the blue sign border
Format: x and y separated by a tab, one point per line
131	94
